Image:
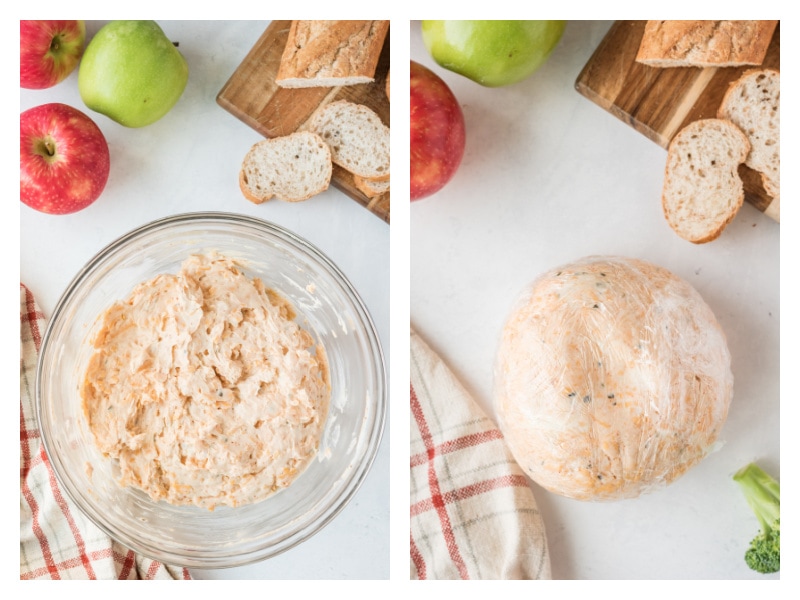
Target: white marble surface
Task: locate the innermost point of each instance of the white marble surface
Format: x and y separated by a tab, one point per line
189	161
549	177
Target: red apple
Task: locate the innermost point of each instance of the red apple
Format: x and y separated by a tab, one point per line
48	51
438	135
63	159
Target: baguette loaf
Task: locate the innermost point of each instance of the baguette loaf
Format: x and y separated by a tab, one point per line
753	103
331	53
702	188
705	43
358	139
291	168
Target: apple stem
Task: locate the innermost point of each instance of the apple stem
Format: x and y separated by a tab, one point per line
55	43
46	147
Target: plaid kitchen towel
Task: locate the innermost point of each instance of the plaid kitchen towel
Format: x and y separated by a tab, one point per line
56	541
473	514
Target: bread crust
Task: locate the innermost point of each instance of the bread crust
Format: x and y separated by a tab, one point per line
245	188
331	53
705	43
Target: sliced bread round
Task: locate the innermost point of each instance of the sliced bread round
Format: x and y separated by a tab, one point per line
293	167
358	139
753	103
371	188
702	188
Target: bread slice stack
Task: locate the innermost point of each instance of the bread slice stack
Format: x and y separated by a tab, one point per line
703	190
753	103
350	135
358	139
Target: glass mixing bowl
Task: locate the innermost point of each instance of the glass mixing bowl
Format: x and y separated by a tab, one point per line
327	306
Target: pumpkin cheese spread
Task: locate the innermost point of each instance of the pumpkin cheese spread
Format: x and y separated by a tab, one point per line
203	389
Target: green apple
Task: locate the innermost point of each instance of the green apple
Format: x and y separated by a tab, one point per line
132	73
492	53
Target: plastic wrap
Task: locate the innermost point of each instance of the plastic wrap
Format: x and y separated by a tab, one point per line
612	378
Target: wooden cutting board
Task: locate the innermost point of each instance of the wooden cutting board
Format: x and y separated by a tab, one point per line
252	96
660	102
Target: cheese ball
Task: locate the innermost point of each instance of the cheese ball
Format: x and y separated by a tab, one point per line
612	378
203	389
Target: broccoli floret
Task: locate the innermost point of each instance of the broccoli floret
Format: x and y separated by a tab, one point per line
763	494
